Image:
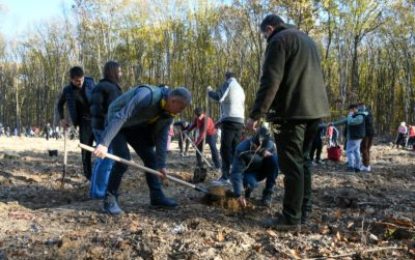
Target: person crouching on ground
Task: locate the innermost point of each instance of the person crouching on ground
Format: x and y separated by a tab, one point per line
141	117
255	160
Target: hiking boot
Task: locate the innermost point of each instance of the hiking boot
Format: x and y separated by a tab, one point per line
111	205
304	217
281	224
266	199
163	202
248	193
356	170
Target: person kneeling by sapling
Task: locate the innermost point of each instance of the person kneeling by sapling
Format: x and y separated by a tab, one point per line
255	160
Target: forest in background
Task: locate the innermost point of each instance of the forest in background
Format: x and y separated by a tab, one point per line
367	51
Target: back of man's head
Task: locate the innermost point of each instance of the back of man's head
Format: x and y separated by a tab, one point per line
229	75
76	72
271	20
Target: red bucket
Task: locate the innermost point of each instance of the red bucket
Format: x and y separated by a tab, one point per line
334	153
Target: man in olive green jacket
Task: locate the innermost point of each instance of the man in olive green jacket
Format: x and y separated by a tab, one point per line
293	95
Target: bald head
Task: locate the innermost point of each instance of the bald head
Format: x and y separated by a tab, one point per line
178	99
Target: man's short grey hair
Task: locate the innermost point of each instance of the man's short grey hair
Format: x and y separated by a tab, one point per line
183	93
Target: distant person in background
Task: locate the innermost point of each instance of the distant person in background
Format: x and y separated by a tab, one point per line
184	143
332	136
402	135
169	137
76	95
355	132
8	131
411	134
231	98
104	93
32	133
57	133
317	146
47	131
205	131
368	139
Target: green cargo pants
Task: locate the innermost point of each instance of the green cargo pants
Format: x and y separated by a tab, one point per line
294	139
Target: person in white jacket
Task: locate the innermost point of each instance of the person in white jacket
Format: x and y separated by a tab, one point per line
231	98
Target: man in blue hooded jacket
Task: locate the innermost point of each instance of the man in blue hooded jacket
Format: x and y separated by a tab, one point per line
141	117
255	160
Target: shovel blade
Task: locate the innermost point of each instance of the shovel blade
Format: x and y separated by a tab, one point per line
199	175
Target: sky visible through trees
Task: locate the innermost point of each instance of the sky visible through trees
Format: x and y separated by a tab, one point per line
367	51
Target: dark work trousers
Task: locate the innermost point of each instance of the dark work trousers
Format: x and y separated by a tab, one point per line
141	140
86	136
268	172
401	140
294	139
365	150
211	141
230	138
316	148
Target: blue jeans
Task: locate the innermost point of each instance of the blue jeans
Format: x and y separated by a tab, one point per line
211	141
141	140
268	171
101	171
353	153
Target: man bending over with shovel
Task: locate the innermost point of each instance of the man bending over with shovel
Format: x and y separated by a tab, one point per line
255	160
141	117
206	128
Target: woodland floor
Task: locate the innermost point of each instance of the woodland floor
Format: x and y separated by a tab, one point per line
357	215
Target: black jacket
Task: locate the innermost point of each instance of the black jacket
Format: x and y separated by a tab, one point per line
77	100
357	131
102	96
291	83
370	130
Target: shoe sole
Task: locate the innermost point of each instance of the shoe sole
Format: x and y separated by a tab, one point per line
112	214
163	207
286	228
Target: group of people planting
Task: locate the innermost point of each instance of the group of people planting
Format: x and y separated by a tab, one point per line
291	98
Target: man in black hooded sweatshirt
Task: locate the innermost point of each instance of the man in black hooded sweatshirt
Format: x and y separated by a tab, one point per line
76	96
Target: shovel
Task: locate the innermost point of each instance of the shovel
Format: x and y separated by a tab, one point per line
65	155
200	173
213	192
